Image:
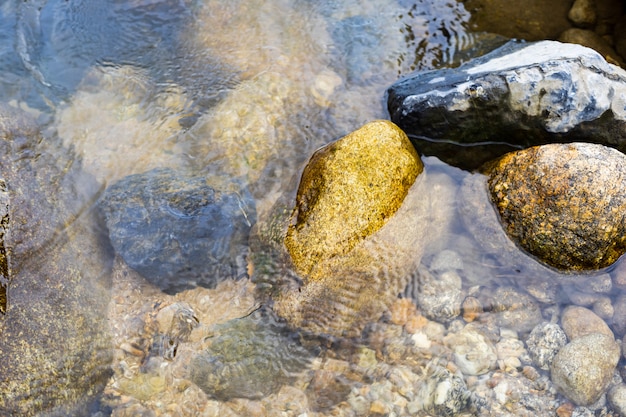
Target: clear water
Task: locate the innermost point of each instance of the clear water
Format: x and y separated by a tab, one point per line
243	89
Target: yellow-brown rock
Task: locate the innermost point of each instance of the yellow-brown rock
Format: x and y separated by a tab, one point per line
348	191
357	231
564	203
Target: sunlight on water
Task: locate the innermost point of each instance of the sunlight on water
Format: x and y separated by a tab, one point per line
241	93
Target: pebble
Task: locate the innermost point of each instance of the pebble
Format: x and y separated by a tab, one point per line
543	343
617	399
583	369
472	308
583	13
619	275
514	309
619	316
446	260
473	353
580	321
439	296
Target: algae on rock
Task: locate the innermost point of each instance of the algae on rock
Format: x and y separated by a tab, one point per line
356	232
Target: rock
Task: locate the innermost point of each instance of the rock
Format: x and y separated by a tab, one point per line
617	399
579	321
583	369
619	315
583	13
519	95
531	20
570	219
543	343
592	40
178	231
55	350
348	191
442	393
438	296
356	233
249	357
618	276
474	354
513	309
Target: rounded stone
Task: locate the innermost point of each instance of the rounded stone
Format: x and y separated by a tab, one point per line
348	190
619	315
564	203
583	13
543	343
583	369
580	321
473	352
439	296
178	231
617	399
356	233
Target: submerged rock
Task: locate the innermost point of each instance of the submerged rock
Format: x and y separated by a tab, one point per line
564	203
520	95
357	231
582	369
178	231
54	342
249	357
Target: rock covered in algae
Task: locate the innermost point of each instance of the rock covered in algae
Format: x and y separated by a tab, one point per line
564	203
249	357
356	232
54	345
178	231
348	190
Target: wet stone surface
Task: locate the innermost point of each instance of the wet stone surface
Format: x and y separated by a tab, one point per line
177	230
564	203
55	351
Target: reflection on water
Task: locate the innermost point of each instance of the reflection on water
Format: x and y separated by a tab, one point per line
243	92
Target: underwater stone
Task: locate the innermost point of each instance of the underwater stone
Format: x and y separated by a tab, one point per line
55	347
178	231
357	231
564	203
517	96
543	343
348	190
582	370
249	357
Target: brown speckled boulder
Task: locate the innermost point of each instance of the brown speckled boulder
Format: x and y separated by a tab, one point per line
564	203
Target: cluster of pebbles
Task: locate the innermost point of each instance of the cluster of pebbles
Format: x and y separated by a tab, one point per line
474	333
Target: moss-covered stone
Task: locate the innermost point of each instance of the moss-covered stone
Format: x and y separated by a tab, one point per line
564	203
54	345
356	233
349	190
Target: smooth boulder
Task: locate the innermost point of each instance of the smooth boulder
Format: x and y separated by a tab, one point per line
517	96
356	232
563	203
178	231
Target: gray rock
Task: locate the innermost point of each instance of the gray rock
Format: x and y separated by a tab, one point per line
177	231
442	392
583	369
519	95
55	349
543	343
439	296
619	315
617	399
513	309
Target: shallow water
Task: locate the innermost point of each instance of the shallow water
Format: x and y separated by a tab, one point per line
243	92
